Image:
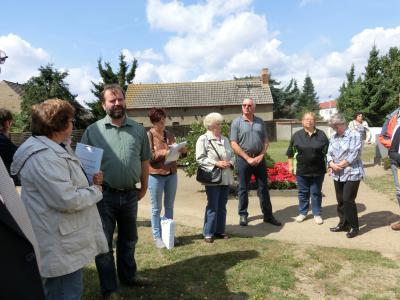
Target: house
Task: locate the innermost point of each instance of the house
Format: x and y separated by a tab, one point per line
327	109
189	102
11	95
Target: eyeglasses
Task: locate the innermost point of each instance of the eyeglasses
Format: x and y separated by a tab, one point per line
247	105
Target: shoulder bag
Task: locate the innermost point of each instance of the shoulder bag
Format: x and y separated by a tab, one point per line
206	176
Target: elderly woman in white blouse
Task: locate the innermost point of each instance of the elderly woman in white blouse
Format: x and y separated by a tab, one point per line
214	150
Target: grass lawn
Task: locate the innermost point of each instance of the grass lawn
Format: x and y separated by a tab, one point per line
254	268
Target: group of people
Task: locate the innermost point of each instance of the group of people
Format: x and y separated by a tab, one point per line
311	155
66	220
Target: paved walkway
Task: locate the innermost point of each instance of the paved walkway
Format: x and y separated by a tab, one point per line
376	213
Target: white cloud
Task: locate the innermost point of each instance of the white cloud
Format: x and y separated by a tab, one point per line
23	59
146	54
211	41
80	83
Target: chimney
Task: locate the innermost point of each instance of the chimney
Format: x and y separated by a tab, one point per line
265	76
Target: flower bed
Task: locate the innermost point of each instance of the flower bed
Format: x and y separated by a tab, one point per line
279	178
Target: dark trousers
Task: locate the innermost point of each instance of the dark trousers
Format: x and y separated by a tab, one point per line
260	172
121	209
346	193
215	215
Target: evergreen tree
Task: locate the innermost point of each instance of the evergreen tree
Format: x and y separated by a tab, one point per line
374	90
291	95
308	100
49	84
277	96
123	77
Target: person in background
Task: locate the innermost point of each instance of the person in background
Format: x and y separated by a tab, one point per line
19	251
125	163
346	168
214	150
394	156
359	124
307	151
7	147
163	177
59	199
249	141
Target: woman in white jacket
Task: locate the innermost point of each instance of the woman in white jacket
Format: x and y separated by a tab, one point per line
214	150
60	202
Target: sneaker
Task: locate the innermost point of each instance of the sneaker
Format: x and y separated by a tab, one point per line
159	243
318	220
300	218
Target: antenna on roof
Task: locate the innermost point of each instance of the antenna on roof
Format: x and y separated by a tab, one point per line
3	58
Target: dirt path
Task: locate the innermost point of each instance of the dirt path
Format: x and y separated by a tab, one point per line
376	213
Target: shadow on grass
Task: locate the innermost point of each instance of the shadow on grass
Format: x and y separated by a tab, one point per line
201	277
376	219
285	215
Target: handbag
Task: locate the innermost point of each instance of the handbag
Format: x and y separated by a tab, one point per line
207	176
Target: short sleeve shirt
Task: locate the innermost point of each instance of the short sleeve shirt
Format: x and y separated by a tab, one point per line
124	148
250	136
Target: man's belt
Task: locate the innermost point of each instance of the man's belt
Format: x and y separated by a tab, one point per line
110	189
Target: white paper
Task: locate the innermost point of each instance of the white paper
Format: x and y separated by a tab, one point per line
168	232
90	158
174	153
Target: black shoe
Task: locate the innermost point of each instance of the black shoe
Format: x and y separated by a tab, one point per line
137	281
272	221
339	228
243	221
352	233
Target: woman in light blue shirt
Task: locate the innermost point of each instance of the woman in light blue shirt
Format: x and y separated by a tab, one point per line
345	167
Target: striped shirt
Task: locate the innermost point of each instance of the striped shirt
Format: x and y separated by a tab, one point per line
346	147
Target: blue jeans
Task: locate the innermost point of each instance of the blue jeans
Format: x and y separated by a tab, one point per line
396	181
310	187
260	172
65	287
157	186
118	208
215	215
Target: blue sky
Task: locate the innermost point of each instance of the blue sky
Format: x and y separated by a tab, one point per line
197	40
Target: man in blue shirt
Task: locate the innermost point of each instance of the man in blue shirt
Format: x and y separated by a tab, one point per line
250	143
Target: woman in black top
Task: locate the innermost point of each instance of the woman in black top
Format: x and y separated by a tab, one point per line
306	158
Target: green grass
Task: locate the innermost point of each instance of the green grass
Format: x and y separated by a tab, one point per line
383	184
253	268
277	150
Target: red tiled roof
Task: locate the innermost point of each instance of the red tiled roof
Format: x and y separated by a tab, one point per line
327	104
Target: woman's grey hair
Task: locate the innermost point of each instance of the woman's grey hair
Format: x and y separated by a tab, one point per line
211	119
337	119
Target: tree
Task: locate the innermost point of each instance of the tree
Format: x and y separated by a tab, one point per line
284	98
123	77
375	91
49	84
308	100
291	95
349	100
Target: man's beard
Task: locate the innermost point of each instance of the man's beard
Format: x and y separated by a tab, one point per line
116	112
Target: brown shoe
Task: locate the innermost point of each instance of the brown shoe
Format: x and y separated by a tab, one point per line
209	239
395	226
